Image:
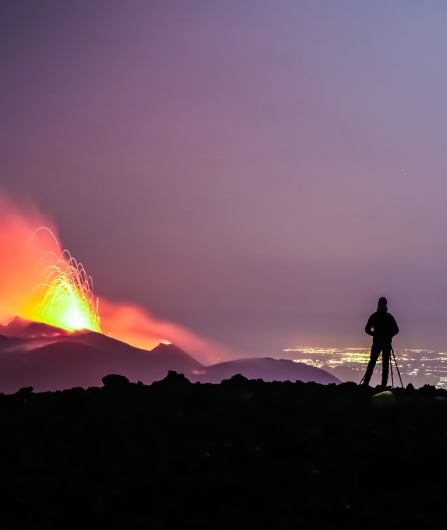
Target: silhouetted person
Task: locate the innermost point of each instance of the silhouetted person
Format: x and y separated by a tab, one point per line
382	327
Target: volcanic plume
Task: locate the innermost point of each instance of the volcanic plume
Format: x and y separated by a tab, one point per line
39	281
61	335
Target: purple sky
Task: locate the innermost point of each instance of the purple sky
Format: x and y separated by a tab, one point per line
259	171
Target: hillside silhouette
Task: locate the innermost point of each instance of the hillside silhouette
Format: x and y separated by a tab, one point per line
267	369
242	454
27	329
48	358
51	359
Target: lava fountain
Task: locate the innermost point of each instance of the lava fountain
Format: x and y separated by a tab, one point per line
64	295
41	283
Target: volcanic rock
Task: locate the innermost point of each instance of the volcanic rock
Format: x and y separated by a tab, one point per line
25	391
175	379
117	382
261	455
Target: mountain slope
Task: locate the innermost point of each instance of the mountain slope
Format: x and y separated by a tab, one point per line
48	360
27	329
267	369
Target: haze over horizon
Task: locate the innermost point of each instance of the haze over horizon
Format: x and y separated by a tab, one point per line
257	172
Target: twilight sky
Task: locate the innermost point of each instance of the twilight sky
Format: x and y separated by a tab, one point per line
259	171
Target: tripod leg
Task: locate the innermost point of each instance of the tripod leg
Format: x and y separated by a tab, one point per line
391	370
397	367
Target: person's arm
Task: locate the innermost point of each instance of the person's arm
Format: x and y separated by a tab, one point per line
395	327
369	326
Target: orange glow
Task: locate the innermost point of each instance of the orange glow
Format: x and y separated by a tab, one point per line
64	296
38	282
135	325
19	255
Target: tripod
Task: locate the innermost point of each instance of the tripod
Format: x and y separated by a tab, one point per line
397	368
392	357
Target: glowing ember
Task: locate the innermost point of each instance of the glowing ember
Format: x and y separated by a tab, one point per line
64	296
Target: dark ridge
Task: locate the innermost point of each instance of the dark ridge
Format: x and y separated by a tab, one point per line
116	382
265	368
82	359
19	327
241	454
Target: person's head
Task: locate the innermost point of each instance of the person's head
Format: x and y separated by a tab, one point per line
382	303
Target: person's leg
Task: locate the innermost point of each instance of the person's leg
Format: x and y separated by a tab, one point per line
375	352
386	353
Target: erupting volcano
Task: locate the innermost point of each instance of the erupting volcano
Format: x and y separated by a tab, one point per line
64	296
46	298
40	282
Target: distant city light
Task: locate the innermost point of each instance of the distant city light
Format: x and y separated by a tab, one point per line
426	366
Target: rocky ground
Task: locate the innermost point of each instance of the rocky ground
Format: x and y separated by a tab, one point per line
242	454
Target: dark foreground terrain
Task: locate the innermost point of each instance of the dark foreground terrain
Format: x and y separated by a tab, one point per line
242	454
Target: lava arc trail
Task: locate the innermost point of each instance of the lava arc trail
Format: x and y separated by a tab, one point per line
64	295
40	282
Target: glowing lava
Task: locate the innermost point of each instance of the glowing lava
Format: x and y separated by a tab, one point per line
39	282
64	296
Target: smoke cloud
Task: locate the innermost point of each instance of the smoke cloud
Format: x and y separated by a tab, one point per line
23	245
